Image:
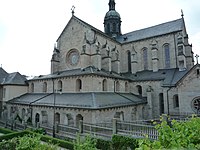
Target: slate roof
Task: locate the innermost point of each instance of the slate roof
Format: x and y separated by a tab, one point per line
79	100
14	79
161	29
169	77
77	72
3	74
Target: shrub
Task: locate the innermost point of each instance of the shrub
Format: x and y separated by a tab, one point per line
6	131
86	143
8	145
61	143
177	135
12	135
48	139
124	142
103	144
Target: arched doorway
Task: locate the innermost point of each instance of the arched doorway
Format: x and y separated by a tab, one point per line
78	85
57	118
37	118
78	118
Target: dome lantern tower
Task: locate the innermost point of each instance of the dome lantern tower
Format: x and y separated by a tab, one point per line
112	21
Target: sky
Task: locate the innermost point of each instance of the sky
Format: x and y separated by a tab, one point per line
30	28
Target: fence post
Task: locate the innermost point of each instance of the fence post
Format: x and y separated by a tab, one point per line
80	126
114	123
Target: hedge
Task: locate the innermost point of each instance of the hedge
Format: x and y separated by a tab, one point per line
45	138
6	131
59	142
12	135
124	142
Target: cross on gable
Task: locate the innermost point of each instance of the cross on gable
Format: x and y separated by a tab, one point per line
197	57
73	7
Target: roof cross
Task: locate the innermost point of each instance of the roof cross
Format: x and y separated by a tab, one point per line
197	57
182	15
72	9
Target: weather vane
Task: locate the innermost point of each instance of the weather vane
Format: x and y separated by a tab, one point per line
73	7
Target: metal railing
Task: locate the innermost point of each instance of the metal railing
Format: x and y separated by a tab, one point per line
104	131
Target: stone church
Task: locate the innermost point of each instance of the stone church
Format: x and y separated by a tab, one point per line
97	76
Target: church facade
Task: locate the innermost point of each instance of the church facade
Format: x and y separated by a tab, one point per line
97	76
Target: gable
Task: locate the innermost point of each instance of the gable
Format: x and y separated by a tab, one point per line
3	74
191	80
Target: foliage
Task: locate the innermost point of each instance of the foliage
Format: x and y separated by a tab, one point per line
38	130
103	144
124	142
8	145
6	139
5	131
61	143
32	142
86	143
12	135
177	135
26	142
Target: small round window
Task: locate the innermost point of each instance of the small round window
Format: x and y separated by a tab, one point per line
73	57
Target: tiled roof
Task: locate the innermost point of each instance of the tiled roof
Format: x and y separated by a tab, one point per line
169	76
161	29
77	72
80	100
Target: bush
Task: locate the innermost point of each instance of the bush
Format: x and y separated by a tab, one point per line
61	143
87	143
12	135
124	142
48	139
177	135
6	131
103	144
8	145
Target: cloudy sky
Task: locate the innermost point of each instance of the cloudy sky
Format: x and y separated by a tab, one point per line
29	28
